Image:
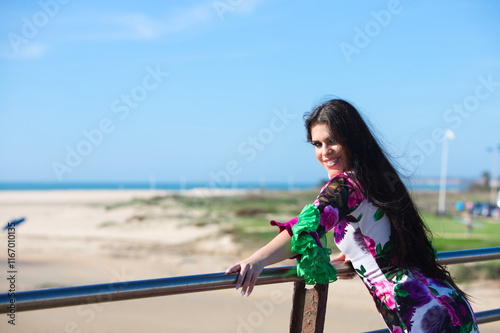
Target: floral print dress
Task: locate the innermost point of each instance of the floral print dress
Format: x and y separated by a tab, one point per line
407	300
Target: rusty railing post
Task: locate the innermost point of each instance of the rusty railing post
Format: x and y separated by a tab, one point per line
309	308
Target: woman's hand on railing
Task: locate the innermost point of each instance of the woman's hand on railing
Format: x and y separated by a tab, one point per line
278	249
249	270
343	259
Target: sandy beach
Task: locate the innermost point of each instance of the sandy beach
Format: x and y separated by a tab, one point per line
79	237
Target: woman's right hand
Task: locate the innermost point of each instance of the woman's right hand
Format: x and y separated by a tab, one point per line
343	259
249	270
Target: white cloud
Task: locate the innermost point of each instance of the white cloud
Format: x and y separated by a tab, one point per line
134	26
26	50
187	18
140	26
225	8
247	6
127	26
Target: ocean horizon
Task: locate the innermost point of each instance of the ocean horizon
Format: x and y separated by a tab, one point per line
415	185
173	186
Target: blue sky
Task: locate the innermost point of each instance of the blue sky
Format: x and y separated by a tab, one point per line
215	90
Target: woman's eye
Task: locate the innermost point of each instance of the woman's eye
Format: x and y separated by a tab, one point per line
317	144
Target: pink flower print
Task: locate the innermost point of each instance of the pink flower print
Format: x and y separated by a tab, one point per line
339	231
397	329
463	310
385	293
355	198
420	277
329	217
371	245
448	303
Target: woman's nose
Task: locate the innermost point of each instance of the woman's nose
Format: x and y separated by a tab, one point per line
327	150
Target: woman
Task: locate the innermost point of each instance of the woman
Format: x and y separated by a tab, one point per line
375	225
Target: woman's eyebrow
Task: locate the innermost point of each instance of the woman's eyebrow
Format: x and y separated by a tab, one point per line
326	139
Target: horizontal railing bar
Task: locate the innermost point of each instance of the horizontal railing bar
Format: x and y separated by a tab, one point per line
488	316
467	256
482	317
119	291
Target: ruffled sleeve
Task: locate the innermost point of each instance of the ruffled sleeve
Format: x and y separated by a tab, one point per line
338	198
286	225
314	261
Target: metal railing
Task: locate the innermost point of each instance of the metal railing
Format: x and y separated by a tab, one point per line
119	291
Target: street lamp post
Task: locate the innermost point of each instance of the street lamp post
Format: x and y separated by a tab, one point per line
494	173
448	135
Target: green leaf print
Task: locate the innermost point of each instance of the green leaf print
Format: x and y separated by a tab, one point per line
401	292
453	295
361	271
434	291
386	249
466	328
360	217
398	275
402	273
378	214
345	196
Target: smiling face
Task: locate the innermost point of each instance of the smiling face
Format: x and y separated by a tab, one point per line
330	154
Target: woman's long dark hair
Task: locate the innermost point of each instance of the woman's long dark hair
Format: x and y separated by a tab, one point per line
382	186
